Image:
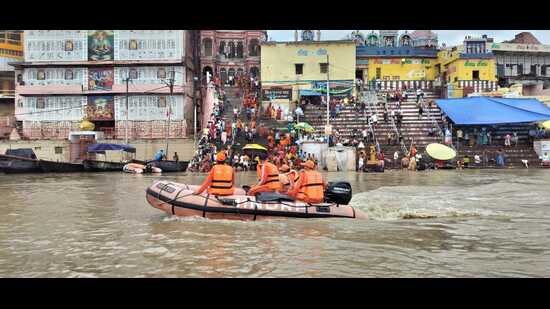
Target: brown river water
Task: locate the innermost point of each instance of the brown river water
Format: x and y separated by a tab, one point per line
474	223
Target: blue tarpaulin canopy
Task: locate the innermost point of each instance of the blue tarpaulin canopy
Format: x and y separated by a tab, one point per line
308	92
100	148
490	110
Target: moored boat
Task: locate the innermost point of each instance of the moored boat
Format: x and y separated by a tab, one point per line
22	160
178	199
170	166
60	167
102	166
135	168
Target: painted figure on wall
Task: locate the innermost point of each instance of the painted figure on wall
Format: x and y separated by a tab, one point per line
100	45
100	108
100	79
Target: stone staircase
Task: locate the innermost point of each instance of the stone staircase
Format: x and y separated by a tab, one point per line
413	128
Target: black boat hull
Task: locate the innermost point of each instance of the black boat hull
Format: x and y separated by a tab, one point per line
61	167
169	166
20	166
102	166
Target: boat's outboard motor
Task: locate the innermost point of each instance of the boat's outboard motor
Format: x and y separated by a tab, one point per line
338	192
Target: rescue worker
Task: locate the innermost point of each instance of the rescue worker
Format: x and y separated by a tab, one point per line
269	178
288	178
221	179
310	188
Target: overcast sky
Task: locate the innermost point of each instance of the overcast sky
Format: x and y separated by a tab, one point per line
449	37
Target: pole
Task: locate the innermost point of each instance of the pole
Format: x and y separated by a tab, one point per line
171	85
127	80
328	92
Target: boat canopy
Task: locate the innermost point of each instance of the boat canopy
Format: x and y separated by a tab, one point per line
489	110
21	152
101	148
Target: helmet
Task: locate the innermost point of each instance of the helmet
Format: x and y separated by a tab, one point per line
220	156
284	168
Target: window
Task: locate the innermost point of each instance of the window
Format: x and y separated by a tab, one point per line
299	68
133	74
323	67
534	69
207	47
69	46
162	102
133	45
161	73
543	70
475	75
69	74
40	104
58	150
520	69
378	73
41	75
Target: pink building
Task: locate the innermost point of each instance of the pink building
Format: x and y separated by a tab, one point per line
231	52
71	75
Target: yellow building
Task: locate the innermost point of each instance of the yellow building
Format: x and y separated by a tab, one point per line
467	68
11	50
292	71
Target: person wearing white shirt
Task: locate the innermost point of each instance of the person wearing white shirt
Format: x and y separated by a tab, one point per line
395	159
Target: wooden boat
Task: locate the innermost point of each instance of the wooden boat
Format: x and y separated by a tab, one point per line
102	166
60	167
170	166
19	160
17	165
179	200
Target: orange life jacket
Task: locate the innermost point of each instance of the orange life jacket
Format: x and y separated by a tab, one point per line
287	179
272	175
311	190
222	180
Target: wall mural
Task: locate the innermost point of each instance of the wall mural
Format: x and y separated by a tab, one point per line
100	108
100	45
100	79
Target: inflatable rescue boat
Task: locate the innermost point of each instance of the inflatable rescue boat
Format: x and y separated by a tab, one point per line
178	199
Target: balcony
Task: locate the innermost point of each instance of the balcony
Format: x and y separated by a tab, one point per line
7	94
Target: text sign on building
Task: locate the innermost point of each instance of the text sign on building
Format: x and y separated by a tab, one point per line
276	94
480	63
520	47
318	52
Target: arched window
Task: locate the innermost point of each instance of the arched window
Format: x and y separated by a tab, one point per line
240	71
231	49
207	45
231	72
239	49
405	40
253	48
223	75
254	72
222	48
372	40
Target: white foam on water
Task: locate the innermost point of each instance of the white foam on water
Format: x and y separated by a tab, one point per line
416	202
155	251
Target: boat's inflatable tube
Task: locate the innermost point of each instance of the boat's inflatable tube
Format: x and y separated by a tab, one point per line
136	168
178	199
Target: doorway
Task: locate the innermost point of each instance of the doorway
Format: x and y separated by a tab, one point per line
475	75
359	74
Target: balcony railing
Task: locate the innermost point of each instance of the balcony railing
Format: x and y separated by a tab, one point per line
10	94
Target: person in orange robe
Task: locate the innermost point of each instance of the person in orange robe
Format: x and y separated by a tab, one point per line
221	179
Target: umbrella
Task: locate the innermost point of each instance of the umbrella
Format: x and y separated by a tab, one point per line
254	147
546	125
304	126
440	152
